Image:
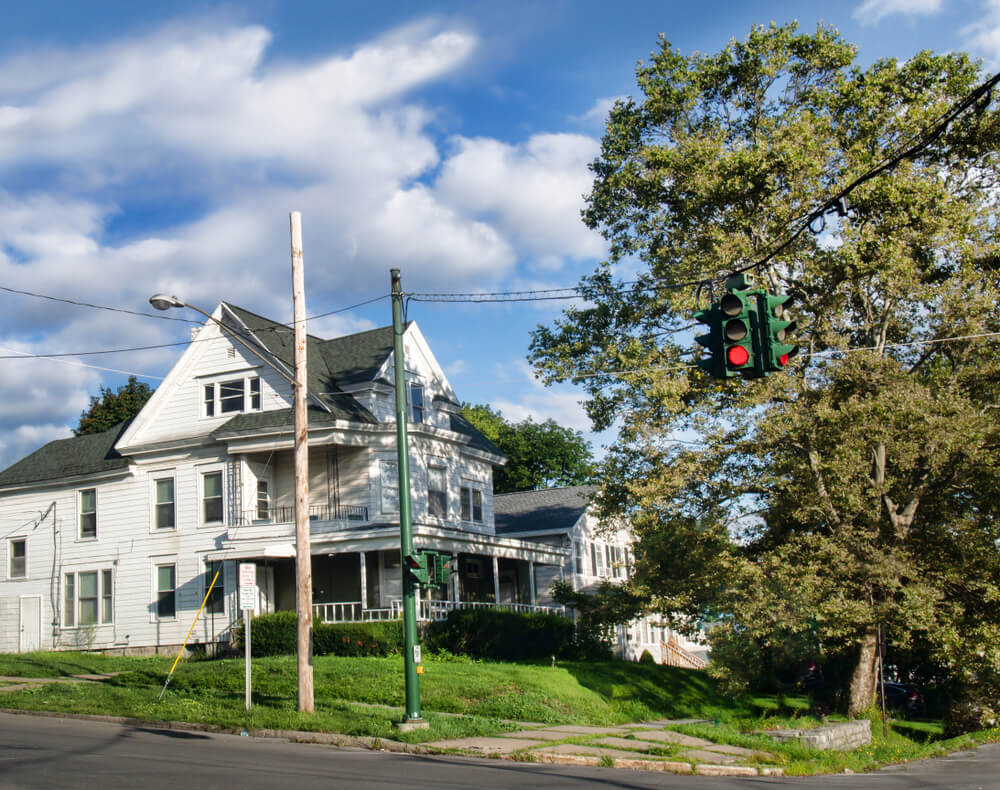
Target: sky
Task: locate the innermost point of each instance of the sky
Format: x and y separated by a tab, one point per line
159	147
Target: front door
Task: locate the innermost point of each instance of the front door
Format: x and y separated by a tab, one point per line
30	638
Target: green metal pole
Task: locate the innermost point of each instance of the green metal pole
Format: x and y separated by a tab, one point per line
411	649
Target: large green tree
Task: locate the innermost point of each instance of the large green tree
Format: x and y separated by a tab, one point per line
113	406
540	454
859	488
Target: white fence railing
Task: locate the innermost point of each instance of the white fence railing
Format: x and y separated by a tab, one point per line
352	611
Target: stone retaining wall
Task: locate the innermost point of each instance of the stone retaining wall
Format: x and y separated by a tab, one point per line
841	737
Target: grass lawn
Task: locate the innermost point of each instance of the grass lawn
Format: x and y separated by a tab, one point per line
352	694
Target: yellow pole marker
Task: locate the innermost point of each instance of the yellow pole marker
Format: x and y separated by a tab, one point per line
190	630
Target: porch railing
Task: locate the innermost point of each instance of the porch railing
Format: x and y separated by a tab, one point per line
286	515
352	611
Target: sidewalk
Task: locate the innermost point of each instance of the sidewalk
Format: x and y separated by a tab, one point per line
647	746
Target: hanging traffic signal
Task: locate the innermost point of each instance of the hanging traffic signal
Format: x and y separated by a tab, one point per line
416	566
739	333
714	364
775	328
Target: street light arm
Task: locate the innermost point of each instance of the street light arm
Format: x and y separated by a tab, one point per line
164	302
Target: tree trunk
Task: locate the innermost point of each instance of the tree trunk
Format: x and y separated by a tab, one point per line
863	681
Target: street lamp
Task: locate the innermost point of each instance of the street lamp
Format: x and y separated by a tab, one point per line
164	302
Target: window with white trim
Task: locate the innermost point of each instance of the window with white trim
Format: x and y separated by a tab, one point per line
216	601
232	396
88	513
579	558
389	486
263	501
166	591
88	598
18	551
472	503
164	503
437	491
211	498
417	403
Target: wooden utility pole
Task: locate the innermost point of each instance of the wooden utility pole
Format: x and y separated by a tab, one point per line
303	551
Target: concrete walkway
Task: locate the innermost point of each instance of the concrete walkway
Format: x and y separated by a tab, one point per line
648	746
9	683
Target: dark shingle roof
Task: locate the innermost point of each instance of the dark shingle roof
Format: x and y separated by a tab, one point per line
549	509
355	359
476	439
79	455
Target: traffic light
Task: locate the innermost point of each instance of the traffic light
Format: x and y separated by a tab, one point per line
774	330
740	334
441	567
416	565
715	364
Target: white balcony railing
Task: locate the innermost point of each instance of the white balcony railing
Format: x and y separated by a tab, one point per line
286	515
352	611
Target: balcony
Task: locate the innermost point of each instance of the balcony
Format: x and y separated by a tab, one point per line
286	515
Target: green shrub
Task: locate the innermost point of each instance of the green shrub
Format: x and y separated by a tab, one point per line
277	634
498	634
646	658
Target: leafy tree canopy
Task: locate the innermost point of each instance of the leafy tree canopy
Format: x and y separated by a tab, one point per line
110	408
541	454
861	486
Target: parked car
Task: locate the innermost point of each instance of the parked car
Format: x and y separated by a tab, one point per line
903	698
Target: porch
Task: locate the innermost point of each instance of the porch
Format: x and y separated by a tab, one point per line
367	585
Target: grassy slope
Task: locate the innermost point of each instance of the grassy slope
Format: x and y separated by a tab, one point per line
351	693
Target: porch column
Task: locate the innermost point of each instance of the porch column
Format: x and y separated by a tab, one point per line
454	581
531	582
496	581
364	582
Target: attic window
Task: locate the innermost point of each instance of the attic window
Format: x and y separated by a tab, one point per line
232	396
417	403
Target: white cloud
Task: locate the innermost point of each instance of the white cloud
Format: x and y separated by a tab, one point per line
597	116
982	38
871	12
533	192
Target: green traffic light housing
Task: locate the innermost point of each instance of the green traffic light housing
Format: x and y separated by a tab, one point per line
739	315
776	326
416	566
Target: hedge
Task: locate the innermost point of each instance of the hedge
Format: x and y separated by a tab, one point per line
277	634
499	634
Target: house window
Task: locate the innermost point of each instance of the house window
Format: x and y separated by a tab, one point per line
389	478
216	602
165	503
232	397
88	598
19	558
618	562
417	402
472	504
263	501
437	492
88	513
597	558
211	498
69	600
579	558
166	592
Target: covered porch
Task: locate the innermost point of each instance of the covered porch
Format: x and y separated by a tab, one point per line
364	582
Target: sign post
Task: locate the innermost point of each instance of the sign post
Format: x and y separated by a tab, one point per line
248	601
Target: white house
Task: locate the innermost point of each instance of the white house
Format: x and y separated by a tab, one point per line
109	540
563	517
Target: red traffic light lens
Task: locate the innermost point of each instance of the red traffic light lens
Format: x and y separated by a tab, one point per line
783	359
738	356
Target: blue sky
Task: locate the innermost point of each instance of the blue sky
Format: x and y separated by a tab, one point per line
160	147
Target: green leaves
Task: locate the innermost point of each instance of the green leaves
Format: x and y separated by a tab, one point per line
112	408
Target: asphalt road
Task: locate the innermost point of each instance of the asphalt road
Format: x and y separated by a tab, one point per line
44	752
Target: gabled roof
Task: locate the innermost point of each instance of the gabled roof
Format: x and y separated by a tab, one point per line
355	359
323	382
548	509
80	455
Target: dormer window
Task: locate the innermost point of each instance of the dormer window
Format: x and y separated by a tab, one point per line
417	403
232	396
